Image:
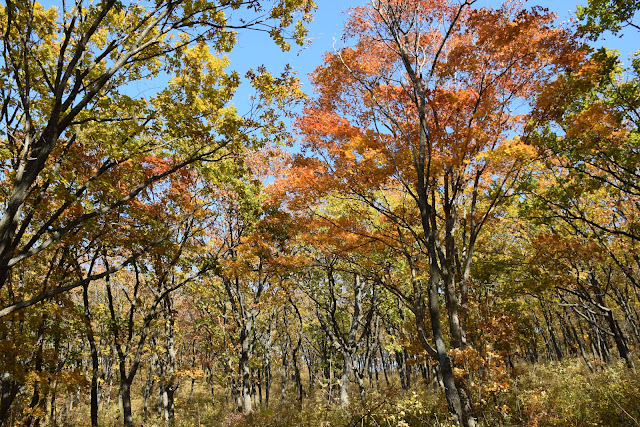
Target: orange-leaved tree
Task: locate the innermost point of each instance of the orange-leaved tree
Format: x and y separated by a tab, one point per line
427	97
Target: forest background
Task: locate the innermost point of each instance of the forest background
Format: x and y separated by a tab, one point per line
438	227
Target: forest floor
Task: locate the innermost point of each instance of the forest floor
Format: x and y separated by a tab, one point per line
550	394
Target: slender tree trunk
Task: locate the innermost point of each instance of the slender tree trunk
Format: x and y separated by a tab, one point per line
125	397
361	387
330	382
210	381
147	390
402	370
312	374
295	356
260	383
94	357
52	403
297	378
267	379
169	380
618	336
384	364
167	404
578	340
284	374
244	369
191	389
450	388
344	382
552	335
37	385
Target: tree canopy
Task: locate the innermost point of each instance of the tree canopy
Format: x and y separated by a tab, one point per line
445	232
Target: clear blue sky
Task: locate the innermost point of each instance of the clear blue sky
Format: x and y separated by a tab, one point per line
254	49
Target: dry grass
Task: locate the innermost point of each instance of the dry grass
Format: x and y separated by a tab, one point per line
564	394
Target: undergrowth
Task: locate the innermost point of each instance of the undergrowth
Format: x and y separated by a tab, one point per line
555	394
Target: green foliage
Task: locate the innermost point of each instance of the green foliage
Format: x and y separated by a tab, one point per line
219	278
607	15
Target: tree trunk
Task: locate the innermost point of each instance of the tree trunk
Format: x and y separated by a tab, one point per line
297	378
267	379
344	382
244	369
147	391
169	362
552	335
450	388
384	364
402	370
284	374
578	340
125	398
94	357
618	336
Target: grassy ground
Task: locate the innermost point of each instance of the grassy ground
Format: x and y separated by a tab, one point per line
564	394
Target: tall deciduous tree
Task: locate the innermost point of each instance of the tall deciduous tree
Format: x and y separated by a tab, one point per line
428	99
66	100
587	190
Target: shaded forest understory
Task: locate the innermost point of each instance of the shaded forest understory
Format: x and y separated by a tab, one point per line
446	232
547	394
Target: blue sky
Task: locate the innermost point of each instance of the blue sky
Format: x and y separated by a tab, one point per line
254	49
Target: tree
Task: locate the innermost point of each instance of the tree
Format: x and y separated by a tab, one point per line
427	100
66	75
586	189
607	15
83	157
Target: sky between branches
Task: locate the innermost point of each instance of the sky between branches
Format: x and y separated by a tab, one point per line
254	48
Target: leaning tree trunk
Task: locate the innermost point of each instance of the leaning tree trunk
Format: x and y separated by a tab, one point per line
618	335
